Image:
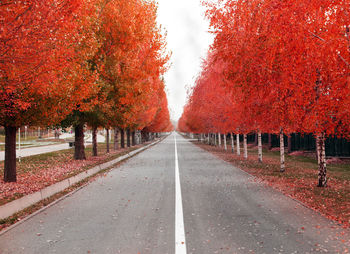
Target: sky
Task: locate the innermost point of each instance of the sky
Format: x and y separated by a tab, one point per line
189	40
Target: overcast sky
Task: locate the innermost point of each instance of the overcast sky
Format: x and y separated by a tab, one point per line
188	40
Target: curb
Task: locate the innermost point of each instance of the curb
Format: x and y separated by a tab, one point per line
22	203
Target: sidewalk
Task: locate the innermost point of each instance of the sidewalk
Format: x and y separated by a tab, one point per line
37	150
25	152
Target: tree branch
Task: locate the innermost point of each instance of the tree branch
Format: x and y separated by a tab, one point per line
318	37
342	58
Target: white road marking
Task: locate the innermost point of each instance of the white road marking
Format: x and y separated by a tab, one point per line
180	239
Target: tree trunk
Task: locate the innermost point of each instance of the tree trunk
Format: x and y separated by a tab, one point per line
208	138
122	138
256	139
232	143
116	141
145	136
94	141
270	141
139	137
238	145
10	154
259	146
79	149
214	139
107	140
137	140
225	144
219	139
289	143
142	136
322	174
128	137
19	144
56	134
282	169
318	149
245	146
133	138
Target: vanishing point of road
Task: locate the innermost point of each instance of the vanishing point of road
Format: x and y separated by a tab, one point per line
176	198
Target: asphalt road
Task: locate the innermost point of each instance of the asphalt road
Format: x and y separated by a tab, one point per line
138	208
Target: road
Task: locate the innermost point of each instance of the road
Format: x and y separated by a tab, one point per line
139	208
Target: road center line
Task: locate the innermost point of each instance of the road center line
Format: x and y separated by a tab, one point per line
180	239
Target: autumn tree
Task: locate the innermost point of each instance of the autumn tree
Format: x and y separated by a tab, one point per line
161	120
133	61
129	57
42	75
285	66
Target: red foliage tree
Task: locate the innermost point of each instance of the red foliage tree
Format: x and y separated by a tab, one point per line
41	73
133	59
285	66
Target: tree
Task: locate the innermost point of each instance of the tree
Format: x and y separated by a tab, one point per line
284	66
133	61
41	73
